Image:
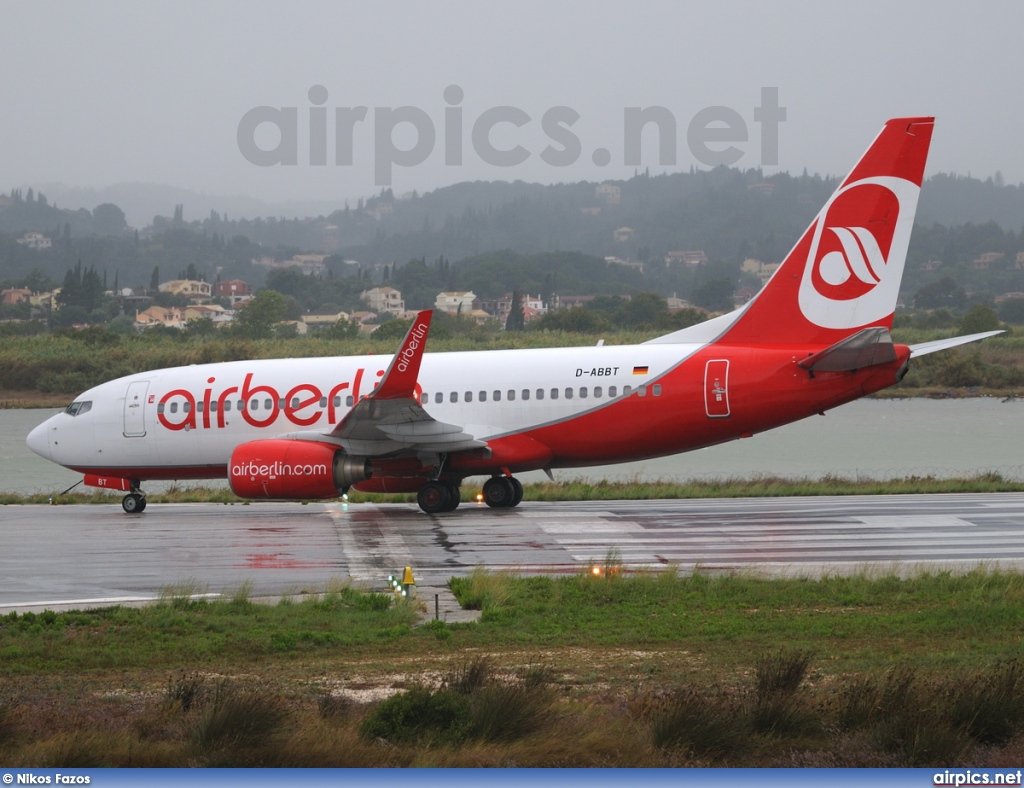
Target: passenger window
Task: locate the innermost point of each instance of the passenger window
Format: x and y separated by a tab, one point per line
349	401
213	407
656	389
597	391
323	402
526	394
497	396
200	406
254	404
174	407
186	407
424	399
439	398
613	391
227	405
159	408
280	403
453	397
511	395
268	404
583	392
469	396
483	396
568	393
540	393
641	390
627	390
295	402
241	405
554	393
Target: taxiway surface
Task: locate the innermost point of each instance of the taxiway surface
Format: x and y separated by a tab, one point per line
90	555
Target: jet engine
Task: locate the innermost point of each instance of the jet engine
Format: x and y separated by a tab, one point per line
286	469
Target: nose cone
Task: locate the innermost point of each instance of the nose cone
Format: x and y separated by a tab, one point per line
39	440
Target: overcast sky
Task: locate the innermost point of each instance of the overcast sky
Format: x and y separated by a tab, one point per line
94	94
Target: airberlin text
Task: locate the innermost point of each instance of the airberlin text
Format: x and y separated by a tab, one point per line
408	353
304	404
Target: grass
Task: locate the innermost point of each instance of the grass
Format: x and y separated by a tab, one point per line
755	487
619	669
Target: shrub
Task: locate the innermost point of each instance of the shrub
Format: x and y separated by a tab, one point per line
419	715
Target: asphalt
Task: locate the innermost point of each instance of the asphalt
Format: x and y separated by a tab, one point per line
94	555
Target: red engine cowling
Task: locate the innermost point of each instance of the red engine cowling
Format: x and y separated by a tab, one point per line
285	469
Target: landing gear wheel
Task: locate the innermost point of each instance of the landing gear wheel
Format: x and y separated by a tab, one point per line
434	497
454	497
518	497
133	503
499	492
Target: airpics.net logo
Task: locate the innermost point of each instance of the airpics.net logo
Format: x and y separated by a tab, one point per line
407	136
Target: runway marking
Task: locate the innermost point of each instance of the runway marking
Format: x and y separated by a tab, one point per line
370	541
97	601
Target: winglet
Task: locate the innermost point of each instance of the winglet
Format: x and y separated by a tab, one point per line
399	381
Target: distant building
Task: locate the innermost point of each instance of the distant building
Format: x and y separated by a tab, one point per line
982	262
16	295
35	241
636	265
623	234
608	193
193	289
171	316
384	299
1019	261
324	320
455	302
235	290
763	271
690	259
930	265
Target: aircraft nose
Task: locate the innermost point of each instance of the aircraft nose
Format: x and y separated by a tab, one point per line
39	440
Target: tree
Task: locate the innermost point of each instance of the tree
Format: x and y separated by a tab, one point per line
154	280
980	317
944	293
108	219
516	319
257	317
714	295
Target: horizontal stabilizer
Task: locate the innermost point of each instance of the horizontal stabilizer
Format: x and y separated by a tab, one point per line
861	350
942	344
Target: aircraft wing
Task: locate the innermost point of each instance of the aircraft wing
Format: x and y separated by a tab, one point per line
391	419
941	344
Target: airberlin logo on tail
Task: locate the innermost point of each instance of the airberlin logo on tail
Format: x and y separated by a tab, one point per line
409	351
855	262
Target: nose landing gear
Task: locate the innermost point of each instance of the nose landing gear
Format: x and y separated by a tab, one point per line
135	501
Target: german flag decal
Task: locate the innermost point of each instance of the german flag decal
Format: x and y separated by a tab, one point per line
639	370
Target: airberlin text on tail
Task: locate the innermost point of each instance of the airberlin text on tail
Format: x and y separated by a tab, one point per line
844	273
399	381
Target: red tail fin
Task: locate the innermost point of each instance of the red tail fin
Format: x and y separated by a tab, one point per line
399	381
844	274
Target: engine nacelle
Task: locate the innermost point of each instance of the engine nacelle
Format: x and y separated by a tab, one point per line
286	469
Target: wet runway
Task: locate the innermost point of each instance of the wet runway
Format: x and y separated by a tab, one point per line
81	556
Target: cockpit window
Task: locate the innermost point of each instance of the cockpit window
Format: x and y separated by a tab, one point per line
78	408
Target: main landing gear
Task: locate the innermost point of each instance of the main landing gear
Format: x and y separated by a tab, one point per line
503	492
500	492
438	496
135	501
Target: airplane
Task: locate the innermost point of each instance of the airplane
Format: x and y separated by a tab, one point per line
815	337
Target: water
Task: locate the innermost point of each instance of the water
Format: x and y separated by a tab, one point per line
871	438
